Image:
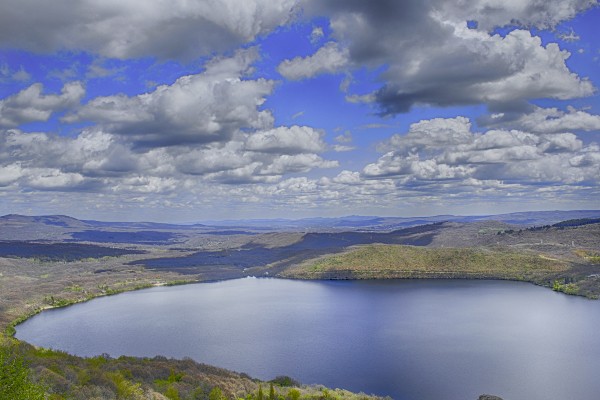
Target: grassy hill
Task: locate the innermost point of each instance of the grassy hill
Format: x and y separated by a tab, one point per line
62	376
398	261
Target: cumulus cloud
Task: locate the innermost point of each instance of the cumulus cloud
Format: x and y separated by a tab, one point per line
296	163
438	132
205	128
212	159
146	184
447	149
191	140
97	160
547	120
413	39
287	140
133	28
54	179
9	174
262	156
500	71
207	107
392	164
342	148
328	59
30	105
493	13
90	155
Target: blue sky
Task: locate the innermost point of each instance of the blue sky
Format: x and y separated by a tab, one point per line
190	110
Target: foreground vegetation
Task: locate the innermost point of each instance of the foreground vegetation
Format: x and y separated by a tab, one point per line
397	261
57	375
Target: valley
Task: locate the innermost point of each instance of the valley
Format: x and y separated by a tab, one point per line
48	262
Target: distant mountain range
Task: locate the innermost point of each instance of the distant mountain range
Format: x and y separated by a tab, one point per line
529	218
353	222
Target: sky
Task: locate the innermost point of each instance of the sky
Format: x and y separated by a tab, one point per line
191	110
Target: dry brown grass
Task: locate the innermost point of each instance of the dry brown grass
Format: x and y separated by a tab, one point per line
28	286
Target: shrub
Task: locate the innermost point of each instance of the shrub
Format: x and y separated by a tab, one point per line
15	379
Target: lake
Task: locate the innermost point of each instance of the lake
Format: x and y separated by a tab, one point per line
409	339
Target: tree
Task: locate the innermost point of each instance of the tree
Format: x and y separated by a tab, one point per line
215	394
260	393
15	379
173	394
271	392
293	394
126	390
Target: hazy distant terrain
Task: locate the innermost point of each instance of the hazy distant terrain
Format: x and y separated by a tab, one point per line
60	227
239	248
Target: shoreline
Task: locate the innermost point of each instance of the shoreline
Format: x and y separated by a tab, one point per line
10	330
241	374
153	361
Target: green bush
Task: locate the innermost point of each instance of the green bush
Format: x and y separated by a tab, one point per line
285	381
15	379
216	394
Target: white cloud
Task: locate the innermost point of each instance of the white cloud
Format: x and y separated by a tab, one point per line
316	35
130	28
31	105
437	132
348	177
185	143
563	142
342	148
146	184
9	174
97	70
345	137
441	149
208	107
287	140
53	179
213	159
21	75
328	59
296	163
8	74
392	164
499	71
100	160
570	36
414	39
553	120
494	13
543	74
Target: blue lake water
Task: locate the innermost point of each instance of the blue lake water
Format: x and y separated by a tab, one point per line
412	340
